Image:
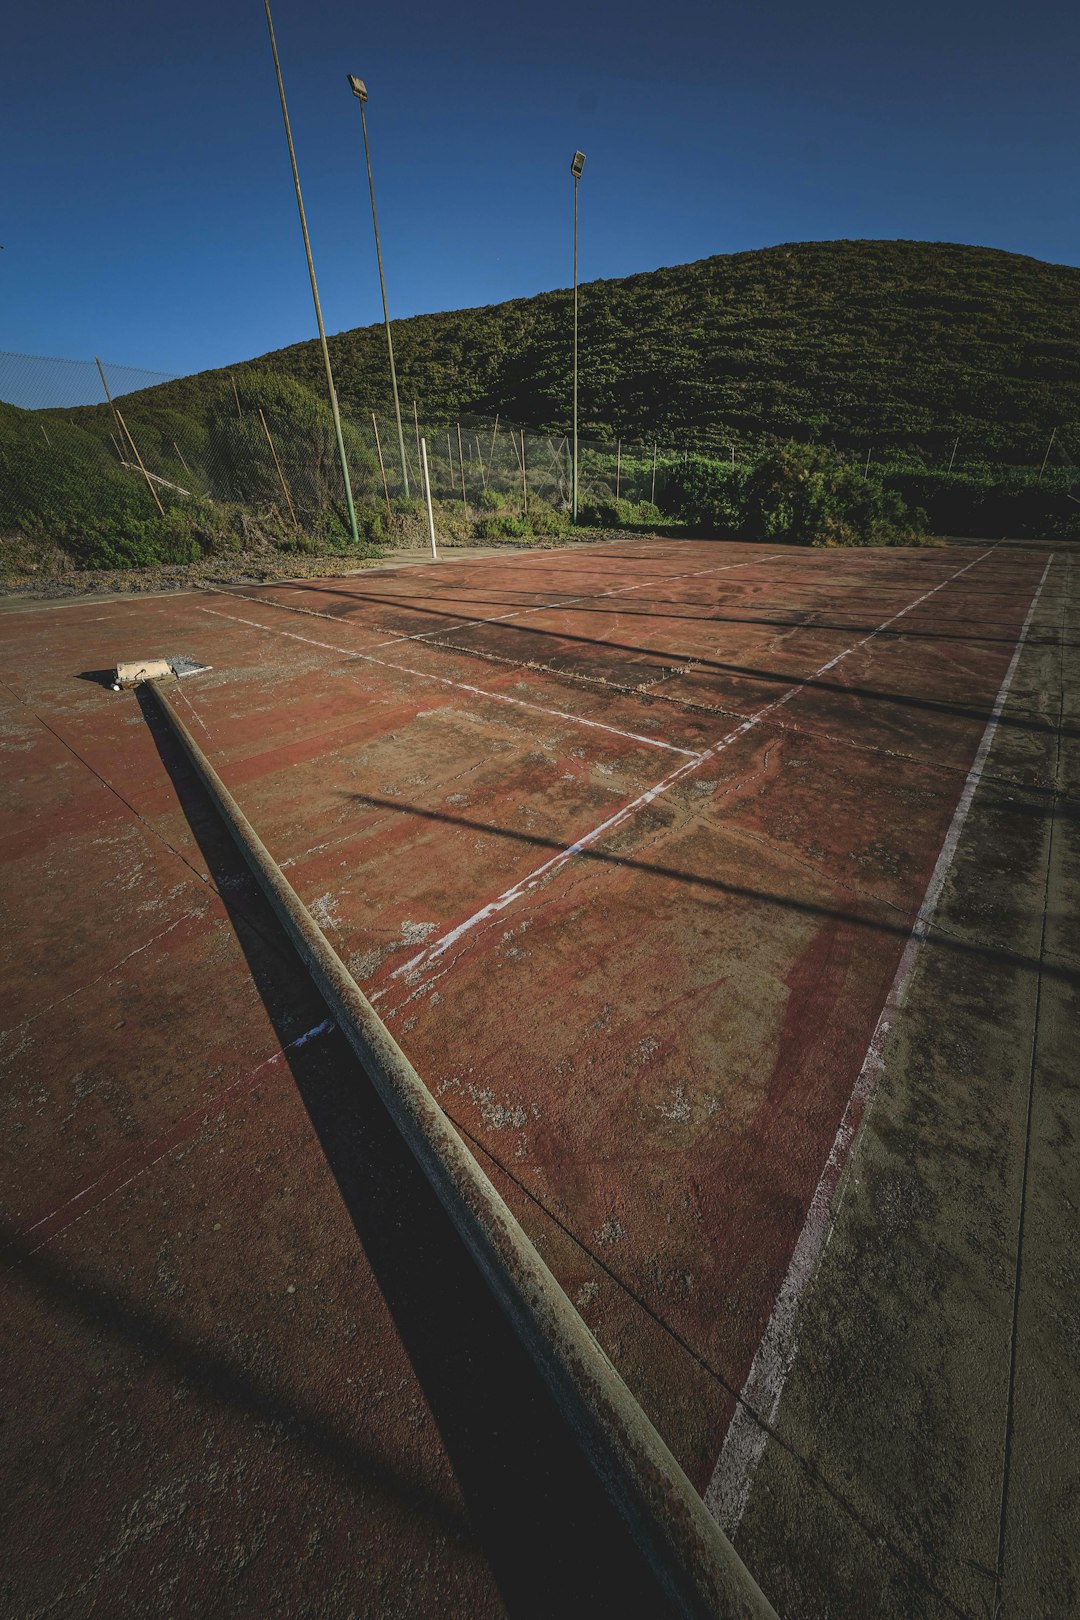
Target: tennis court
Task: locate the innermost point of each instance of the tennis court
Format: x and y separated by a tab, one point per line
626	842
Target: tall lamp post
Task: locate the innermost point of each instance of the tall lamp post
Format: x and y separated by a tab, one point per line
575	169
331	390
359	90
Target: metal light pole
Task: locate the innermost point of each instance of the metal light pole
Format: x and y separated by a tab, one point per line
359	90
575	169
314	288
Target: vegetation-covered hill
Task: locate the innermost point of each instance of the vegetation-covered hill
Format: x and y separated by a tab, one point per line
883	344
898	353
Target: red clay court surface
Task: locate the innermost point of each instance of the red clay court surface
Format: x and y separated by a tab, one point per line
625	842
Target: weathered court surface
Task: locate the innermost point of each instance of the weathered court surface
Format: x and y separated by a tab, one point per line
629	843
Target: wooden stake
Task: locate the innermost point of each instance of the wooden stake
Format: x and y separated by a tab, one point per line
138	458
236	396
480	459
952	458
48	441
382	466
524	479
180	453
281	475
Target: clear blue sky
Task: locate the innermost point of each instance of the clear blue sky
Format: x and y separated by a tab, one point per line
147	210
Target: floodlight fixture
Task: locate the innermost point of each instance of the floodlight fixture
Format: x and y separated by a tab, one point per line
577	165
359	90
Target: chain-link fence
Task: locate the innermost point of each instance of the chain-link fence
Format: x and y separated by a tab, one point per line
115	464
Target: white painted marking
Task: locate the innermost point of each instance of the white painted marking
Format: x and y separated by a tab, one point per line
211	1102
530	881
514	613
458	686
744	1444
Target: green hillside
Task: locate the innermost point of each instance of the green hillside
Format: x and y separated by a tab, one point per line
908	384
881	344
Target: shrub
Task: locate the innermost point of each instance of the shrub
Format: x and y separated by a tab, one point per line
609	513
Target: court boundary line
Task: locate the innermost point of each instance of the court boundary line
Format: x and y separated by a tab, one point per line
458	686
496	618
439	947
744	1445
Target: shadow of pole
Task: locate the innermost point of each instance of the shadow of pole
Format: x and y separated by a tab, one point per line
554	1542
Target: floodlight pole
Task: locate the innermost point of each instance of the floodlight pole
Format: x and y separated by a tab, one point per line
575	169
359	90
314	287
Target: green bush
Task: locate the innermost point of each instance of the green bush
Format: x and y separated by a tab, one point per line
609	513
807	494
800	493
1015	502
506	527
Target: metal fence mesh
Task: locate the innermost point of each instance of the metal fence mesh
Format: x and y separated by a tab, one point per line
75	464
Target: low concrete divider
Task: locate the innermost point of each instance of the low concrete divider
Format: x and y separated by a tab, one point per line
691	1557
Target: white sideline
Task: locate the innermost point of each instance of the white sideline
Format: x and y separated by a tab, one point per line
459	686
744	1444
435	950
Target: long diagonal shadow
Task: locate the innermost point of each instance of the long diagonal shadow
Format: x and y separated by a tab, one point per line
445	606
660	661
551	1537
767	897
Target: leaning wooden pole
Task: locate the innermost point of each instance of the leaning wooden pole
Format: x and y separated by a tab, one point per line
281	475
139	459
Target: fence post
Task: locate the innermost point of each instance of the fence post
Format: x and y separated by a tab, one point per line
427	496
461	469
652	496
524	479
618	466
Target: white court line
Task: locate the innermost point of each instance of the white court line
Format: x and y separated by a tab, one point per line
166	1135
744	1444
443	944
459	686
514	613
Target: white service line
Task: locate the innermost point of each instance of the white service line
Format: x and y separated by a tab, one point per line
459	686
443	944
744	1444
517	612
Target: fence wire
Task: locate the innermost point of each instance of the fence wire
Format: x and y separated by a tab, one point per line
78	466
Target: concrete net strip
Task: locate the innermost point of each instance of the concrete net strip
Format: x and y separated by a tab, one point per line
689	1554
